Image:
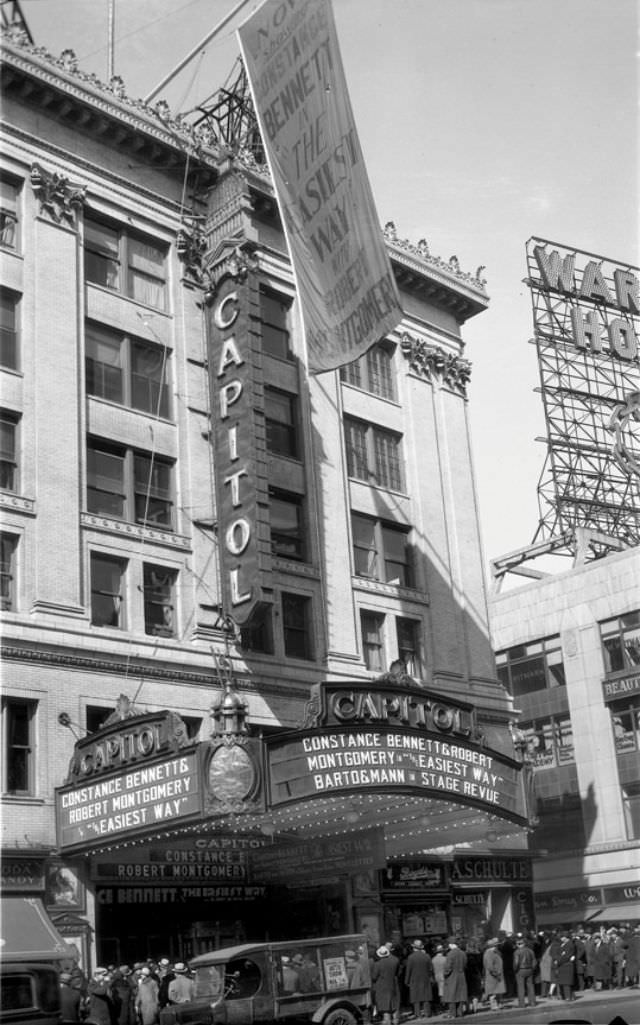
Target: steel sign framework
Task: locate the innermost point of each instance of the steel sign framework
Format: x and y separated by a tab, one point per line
586	312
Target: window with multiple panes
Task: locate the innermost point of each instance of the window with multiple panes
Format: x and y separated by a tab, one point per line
280	422
107	591
8	451
373	372
287	526
381	550
549	741
274	320
527	668
257	635
18	744
159	600
297	626
125	262
9	306
129	485
9	194
408	637
126	370
374	455
8	550
631	806
371	626
621	642
625	720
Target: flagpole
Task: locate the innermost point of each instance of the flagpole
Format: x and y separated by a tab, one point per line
183	63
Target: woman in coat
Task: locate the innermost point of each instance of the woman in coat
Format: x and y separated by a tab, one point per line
418	973
494	984
386	988
455	984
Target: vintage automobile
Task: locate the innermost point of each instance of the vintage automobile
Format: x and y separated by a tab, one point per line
325	981
31	950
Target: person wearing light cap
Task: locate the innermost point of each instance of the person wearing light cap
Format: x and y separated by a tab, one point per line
146	1001
181	986
99	999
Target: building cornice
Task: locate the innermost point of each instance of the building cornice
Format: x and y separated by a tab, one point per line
102	110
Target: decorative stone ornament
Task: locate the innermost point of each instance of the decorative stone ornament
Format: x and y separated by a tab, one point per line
438	366
59	198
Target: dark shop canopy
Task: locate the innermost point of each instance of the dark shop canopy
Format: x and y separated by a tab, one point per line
27	933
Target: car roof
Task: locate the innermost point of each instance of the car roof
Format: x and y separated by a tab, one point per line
225	954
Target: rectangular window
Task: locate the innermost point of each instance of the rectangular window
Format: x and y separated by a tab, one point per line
381	551
125	262
280	422
8	550
631	805
621	642
287	532
379	360
126	370
374	455
625	720
95	716
9	305
9	194
8	451
274	319
373	372
129	485
159	601
258	634
296	626
408	632
18	726
527	668
371	624
549	741
107	591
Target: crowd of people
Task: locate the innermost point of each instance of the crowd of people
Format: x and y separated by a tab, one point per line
408	980
124	995
461	976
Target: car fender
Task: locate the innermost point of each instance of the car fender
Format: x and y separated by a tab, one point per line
329	1005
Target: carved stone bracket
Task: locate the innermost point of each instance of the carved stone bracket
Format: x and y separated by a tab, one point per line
230	260
191	247
436	365
57	196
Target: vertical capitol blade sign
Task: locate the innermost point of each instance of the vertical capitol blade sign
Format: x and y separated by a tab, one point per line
346	286
237	452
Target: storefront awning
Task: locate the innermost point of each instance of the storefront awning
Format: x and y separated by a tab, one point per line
629	912
27	933
566	917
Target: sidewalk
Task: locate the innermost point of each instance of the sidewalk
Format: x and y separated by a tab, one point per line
584	997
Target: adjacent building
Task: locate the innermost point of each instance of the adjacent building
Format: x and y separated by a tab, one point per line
132	248
568	651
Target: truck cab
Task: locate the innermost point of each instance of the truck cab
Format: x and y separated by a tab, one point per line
325	981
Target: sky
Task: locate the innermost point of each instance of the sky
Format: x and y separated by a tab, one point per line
482	122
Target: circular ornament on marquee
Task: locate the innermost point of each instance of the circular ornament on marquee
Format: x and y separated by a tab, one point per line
232	774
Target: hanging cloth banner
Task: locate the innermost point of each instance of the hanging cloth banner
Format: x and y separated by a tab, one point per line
346	286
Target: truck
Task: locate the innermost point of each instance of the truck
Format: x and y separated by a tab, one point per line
31	951
322	981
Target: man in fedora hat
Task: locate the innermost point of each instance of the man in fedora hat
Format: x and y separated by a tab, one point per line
418	975
181	986
386	986
455	982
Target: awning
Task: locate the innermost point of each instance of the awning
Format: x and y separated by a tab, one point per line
629	912
566	917
27	933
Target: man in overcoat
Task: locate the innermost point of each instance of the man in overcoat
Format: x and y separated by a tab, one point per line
455	982
524	965
493	972
565	963
418	975
386	987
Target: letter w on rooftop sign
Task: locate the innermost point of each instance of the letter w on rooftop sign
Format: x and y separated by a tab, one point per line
346	286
